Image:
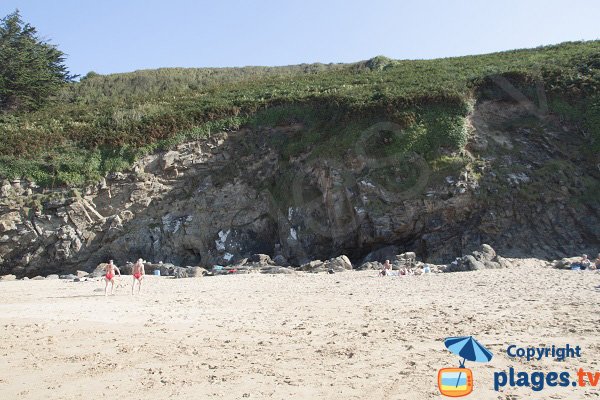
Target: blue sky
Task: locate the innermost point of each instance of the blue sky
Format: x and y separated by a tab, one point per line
124	35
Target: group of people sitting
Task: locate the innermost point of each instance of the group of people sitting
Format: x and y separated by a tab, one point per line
586	263
386	270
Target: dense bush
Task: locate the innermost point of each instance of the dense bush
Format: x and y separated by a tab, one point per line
120	116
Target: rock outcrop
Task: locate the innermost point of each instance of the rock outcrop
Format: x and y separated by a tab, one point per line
525	192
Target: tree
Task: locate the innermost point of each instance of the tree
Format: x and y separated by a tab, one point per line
31	70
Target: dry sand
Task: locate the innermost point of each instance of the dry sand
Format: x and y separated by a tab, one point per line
345	336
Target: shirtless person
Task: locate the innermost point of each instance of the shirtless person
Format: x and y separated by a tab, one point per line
386	268
138	274
110	277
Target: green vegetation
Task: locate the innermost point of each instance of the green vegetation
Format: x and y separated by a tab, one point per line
102	123
31	70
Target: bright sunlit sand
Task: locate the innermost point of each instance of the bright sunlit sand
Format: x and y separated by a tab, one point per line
308	336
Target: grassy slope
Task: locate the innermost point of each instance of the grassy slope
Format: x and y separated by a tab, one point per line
102	123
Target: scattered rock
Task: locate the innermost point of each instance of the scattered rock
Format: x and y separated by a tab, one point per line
8	277
278	270
404	260
565	263
52	277
370	265
261	259
484	258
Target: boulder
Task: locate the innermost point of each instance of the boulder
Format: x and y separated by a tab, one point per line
405	260
488	250
81	274
8	277
281	261
196	272
98	271
472	264
166	269
312	266
338	264
52	277
370	265
38	278
127	269
68	277
261	259
180	272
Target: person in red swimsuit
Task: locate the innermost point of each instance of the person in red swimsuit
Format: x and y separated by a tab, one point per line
110	277
138	274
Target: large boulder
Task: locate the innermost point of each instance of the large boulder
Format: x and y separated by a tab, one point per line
313	266
281	261
338	264
181	272
404	260
8	277
99	271
483	258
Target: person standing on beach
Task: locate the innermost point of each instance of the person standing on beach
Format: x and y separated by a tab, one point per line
110	277
138	275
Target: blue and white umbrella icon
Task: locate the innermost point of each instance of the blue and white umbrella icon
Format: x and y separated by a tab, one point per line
469	349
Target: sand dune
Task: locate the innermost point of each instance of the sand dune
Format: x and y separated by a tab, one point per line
344	336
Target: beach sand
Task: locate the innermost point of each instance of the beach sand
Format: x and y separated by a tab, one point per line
348	335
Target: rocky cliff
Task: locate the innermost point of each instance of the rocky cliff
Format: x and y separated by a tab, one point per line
522	184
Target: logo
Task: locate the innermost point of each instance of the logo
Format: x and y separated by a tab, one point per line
458	382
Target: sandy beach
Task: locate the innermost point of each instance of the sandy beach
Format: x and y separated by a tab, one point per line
348	335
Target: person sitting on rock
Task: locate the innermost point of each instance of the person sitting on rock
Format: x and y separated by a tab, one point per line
585	262
110	277
596	264
138	274
386	269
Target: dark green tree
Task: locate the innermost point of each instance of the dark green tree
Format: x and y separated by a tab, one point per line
31	70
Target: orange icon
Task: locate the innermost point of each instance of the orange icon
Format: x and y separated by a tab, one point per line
455	382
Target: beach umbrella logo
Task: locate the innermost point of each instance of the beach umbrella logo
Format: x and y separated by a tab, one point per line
458	382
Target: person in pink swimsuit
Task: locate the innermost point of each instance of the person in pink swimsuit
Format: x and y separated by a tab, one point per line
138	275
110	277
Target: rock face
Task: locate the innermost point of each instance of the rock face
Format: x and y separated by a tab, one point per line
198	205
